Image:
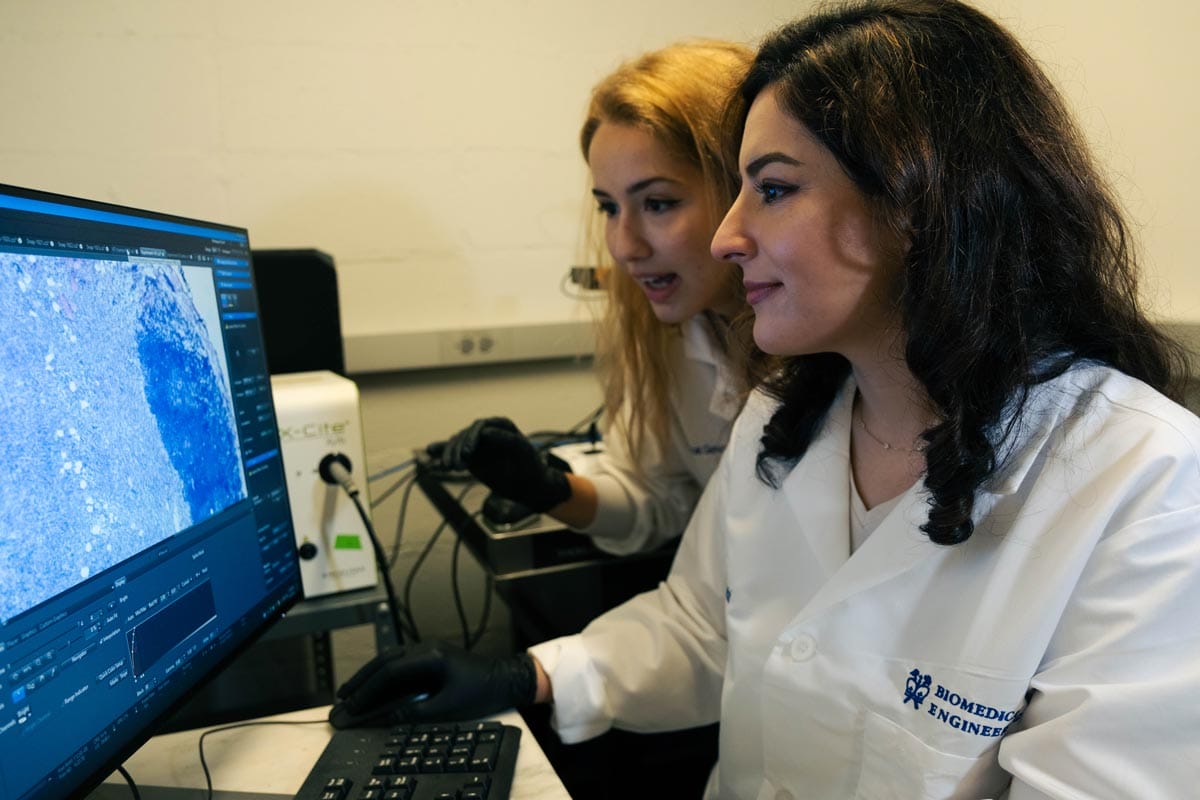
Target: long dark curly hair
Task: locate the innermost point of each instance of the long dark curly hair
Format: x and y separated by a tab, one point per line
1020	263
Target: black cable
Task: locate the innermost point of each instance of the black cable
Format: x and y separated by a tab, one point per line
412	573
203	736
585	430
407	482
391	470
458	601
391	490
335	468
395	554
488	587
393	604
587	421
129	779
470	639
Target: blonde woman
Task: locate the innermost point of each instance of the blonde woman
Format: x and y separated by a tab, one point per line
652	141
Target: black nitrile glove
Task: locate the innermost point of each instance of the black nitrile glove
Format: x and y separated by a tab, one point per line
496	452
433	682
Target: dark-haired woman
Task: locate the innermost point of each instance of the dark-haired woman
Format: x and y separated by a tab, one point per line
954	548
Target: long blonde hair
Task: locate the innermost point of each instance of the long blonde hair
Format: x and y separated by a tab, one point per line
679	95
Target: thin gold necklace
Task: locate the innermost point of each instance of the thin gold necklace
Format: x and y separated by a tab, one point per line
862	423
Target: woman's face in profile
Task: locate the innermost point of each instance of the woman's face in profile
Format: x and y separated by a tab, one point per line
658	223
816	266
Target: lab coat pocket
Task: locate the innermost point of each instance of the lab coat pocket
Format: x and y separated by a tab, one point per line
896	765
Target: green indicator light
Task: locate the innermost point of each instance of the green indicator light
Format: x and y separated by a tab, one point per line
347	541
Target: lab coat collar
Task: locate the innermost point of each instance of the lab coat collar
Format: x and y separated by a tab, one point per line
700	340
817	488
702	343
818	491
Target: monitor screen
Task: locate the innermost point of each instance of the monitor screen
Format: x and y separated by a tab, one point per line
145	534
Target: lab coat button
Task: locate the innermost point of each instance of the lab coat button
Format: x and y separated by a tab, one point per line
803	648
784	794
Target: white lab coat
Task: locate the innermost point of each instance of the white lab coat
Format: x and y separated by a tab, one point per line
1054	654
640	510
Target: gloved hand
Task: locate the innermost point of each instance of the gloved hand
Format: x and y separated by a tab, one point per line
433	682
496	452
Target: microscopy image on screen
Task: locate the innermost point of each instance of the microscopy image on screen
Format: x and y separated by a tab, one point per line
118	428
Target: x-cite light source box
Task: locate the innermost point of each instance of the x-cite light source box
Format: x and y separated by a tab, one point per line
318	414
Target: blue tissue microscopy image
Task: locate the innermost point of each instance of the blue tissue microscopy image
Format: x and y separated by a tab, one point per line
181	388
119	429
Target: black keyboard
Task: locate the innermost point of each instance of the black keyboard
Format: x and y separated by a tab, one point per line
452	761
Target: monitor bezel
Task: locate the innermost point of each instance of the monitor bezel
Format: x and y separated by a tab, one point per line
88	781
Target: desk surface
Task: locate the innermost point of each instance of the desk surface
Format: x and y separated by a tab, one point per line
275	760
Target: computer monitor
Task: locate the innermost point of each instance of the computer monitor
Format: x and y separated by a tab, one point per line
145	535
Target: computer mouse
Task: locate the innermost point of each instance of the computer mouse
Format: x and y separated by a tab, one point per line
393	712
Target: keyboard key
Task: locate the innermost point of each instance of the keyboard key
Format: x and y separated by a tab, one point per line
401	791
408	764
336	789
484	757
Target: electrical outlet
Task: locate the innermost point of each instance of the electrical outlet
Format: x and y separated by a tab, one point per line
461	347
